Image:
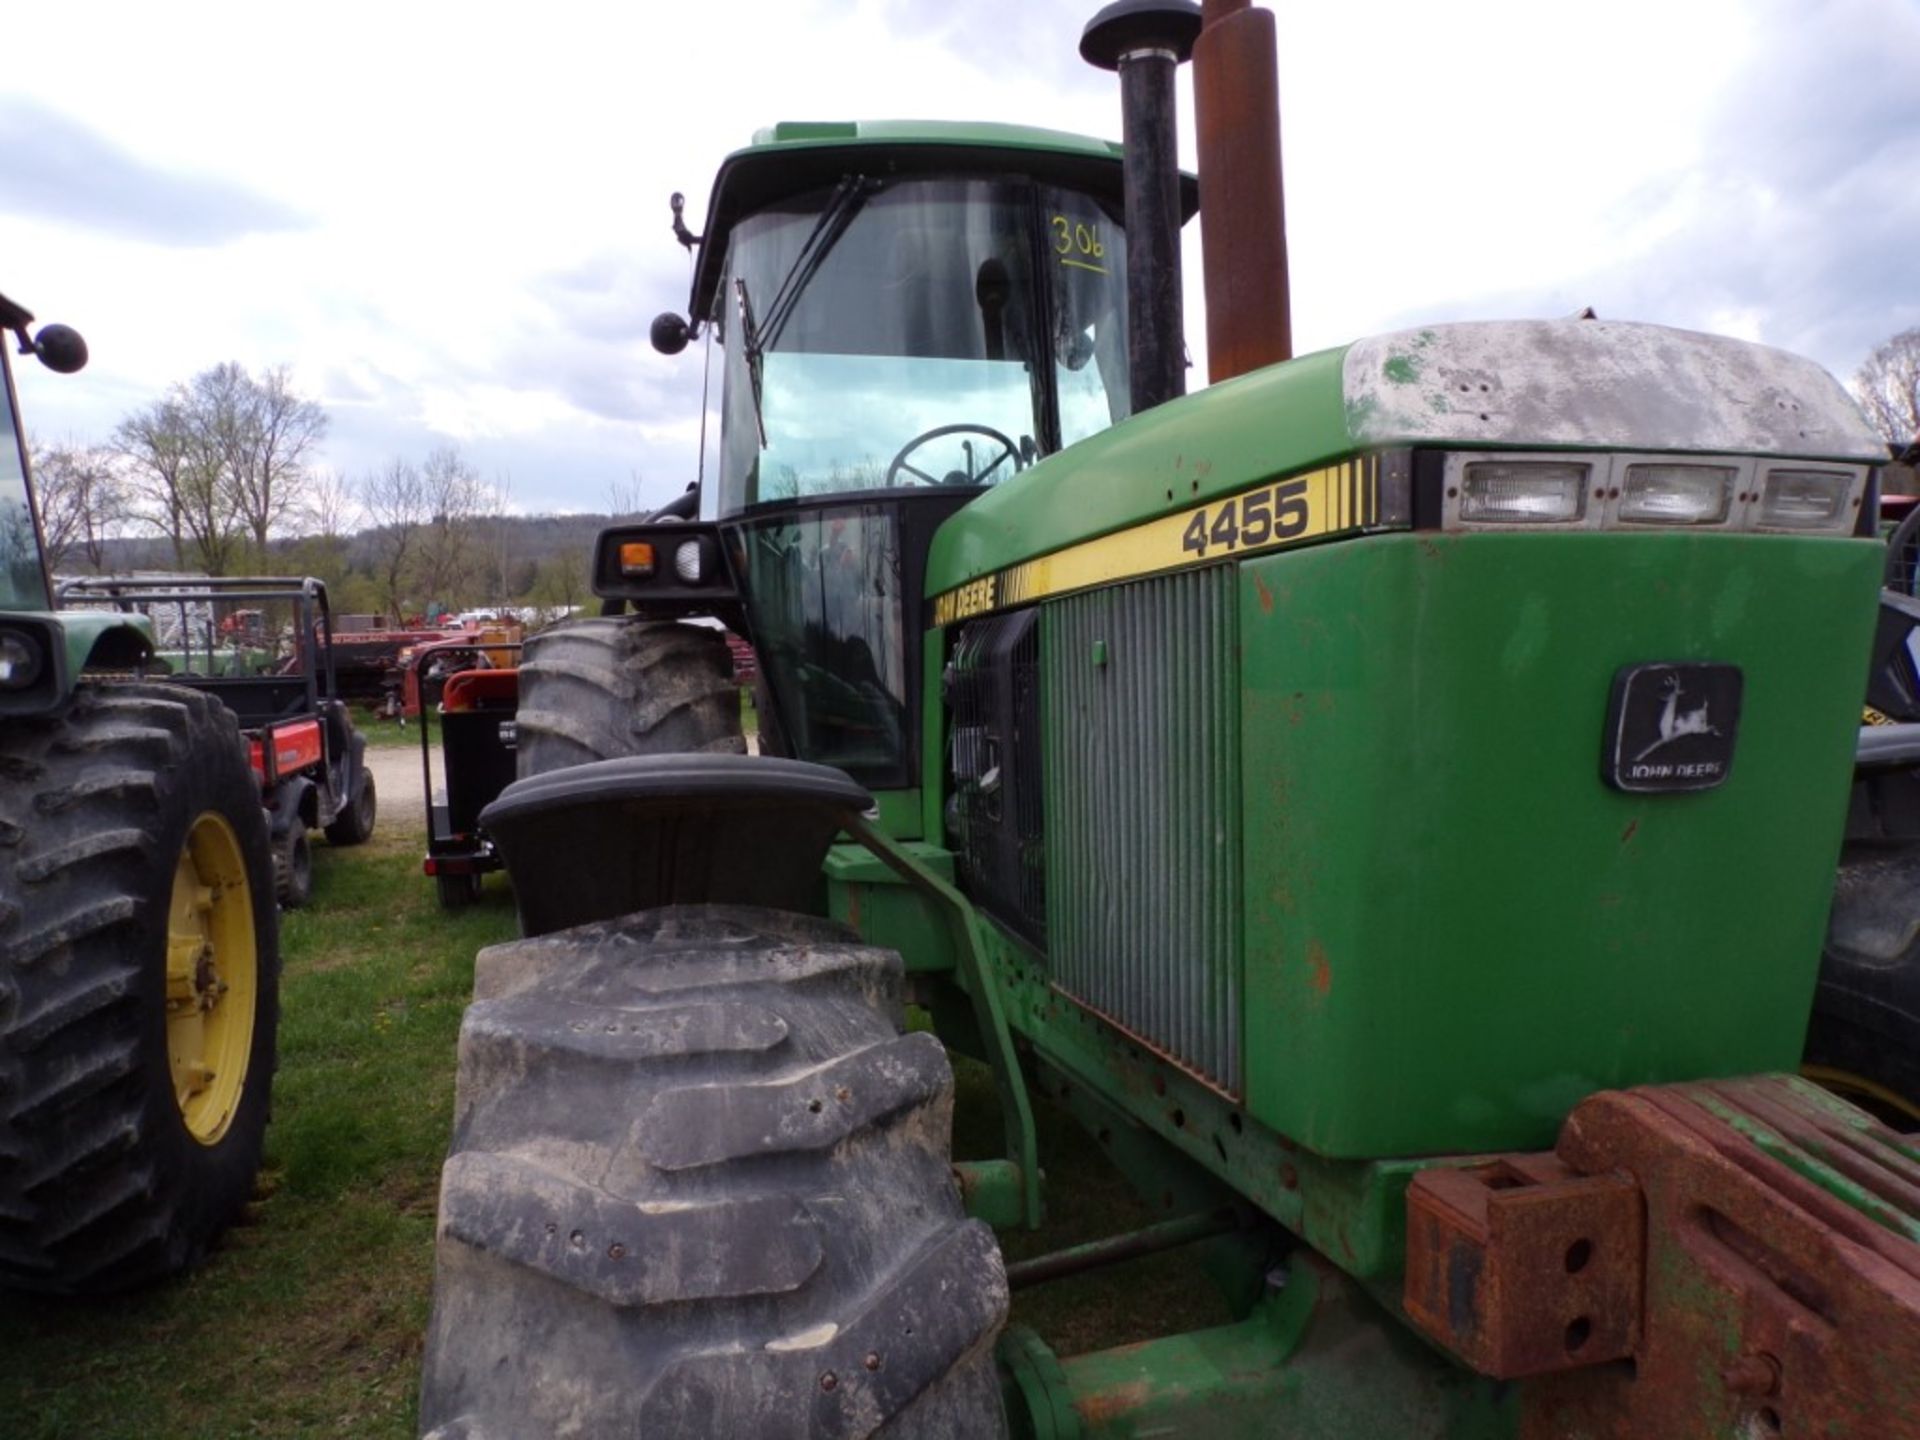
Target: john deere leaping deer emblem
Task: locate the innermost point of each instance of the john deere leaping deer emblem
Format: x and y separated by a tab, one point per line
1676	723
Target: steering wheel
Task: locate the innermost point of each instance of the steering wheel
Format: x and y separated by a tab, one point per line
955	477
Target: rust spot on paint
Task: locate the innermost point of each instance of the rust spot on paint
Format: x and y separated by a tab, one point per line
1266	595
1319	973
1099	1407
853	906
1633	827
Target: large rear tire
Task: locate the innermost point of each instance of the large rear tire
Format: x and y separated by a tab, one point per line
609	687
139	987
700	1186
1864	1039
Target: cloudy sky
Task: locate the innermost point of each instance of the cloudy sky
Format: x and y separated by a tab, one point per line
451	220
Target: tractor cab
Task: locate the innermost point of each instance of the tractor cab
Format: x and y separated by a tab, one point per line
23	578
909	314
42	655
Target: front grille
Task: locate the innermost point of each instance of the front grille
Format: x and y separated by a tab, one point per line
994	821
1141	688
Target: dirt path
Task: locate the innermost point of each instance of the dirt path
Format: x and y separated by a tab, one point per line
396	774
396	777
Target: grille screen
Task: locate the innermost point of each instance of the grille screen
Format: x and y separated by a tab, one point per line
993	687
1143	811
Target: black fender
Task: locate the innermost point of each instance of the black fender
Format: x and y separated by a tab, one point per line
342	780
596	841
294	801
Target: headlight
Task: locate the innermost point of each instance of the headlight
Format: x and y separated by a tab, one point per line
20	660
1805	499
1524	492
1676	494
691	562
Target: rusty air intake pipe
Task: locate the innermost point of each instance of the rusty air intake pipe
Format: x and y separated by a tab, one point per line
1243	213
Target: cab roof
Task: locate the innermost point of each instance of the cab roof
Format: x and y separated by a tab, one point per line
797	156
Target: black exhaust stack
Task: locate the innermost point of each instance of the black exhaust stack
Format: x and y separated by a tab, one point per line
1146	41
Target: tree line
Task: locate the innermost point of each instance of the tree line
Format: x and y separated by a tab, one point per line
221	476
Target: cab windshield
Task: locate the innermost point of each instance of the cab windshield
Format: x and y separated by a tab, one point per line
23	585
915	333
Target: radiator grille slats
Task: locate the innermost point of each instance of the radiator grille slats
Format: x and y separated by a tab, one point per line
1142	783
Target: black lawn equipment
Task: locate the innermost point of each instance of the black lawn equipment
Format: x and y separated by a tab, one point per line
477	703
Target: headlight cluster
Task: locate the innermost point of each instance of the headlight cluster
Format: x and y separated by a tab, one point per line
664	562
1631	492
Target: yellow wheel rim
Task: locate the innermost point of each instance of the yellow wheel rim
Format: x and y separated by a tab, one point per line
1850	1086
213	978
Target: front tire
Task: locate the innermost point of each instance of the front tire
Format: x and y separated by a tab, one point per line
139	987
1864	1039
699	1186
609	687
457	892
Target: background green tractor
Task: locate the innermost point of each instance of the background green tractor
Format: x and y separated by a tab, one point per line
1389	799
1865	1038
139	965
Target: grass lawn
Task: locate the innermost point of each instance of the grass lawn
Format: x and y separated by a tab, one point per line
308	1321
387	734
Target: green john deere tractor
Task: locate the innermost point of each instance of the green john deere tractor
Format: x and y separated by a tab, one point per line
139	963
1389	798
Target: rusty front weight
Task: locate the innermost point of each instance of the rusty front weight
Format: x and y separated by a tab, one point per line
1778	1284
1521	1266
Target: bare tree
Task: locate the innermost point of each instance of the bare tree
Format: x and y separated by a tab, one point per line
496	507
153	443
1888	385
450	554
81	504
322	546
395	501
329	506
176	471
265	434
559	585
623	497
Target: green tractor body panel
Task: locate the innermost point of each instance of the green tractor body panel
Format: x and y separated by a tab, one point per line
1454	930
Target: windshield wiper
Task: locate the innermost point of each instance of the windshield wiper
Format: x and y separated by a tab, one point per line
845	202
847	198
750	346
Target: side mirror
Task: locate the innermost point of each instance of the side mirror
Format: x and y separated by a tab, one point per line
670	333
60	348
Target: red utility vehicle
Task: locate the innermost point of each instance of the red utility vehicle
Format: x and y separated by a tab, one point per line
263	646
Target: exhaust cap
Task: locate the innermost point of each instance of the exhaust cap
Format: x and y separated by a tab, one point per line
1129	25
